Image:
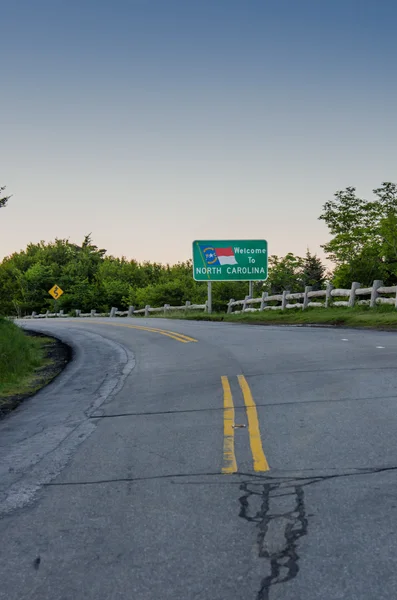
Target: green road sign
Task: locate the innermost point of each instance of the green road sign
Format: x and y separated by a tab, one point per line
230	260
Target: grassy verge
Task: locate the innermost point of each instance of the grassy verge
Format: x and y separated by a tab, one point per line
21	357
382	317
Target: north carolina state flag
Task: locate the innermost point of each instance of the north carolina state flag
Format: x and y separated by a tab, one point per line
218	256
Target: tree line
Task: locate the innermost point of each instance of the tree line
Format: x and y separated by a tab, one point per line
362	246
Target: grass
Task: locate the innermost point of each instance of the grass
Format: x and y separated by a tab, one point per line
382	317
20	358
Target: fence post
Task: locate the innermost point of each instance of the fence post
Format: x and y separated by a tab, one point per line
78	312
166	307
147	310
245	303
284	300
306	298
93	312
33	314
47	313
229	306
263	300
187	305
61	313
328	295
352	297
374	293
113	311
131	310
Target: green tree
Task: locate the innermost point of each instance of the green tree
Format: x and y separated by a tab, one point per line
356	223
10	289
350	220
364	235
386	200
92	280
174	293
37	280
388	243
364	268
3	199
284	274
312	272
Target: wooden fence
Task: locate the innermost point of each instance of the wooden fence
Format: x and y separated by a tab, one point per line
370	296
131	312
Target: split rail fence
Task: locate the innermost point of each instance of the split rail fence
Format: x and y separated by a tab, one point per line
372	296
131	312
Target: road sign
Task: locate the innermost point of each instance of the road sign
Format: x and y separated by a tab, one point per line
56	292
230	260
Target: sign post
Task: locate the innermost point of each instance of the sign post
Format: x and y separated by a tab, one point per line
230	260
209	297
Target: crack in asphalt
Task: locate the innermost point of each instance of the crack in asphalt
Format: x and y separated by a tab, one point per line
327	370
257	404
130	479
306	480
281	518
279	531
282	553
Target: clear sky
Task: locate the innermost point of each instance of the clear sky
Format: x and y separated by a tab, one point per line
151	123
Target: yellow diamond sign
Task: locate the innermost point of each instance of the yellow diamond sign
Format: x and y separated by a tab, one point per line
56	292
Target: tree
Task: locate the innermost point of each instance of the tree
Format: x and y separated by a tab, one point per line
313	271
349	219
364	268
3	199
284	274
91	280
388	242
364	242
386	202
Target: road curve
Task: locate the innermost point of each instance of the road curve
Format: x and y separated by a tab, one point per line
208	461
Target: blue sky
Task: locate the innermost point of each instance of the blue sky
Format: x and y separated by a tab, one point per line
152	123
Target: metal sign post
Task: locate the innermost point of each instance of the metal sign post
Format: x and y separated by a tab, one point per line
209	297
251	289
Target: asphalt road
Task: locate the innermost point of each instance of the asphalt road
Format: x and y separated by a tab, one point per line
204	461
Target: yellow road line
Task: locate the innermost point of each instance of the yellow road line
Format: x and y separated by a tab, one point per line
260	462
229	458
179	337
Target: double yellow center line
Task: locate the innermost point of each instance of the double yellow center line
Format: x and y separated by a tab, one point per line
179	337
229	457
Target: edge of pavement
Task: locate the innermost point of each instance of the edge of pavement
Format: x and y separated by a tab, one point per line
38	438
